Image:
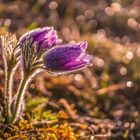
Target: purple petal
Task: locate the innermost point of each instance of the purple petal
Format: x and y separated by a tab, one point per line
73	65
35	34
79	63
48	40
86	58
83	46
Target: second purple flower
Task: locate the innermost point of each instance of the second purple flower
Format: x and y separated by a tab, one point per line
45	38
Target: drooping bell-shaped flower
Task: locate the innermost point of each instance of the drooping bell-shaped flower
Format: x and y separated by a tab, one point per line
67	58
45	38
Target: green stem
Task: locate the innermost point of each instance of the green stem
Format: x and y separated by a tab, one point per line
8	94
20	94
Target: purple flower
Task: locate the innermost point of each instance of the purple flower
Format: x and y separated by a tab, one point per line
67	58
45	37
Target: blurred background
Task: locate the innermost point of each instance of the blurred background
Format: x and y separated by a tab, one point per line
104	97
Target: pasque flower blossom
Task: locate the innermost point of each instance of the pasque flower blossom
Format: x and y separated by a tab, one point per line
34	43
44	37
67	58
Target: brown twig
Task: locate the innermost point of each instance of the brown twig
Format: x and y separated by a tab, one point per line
111	88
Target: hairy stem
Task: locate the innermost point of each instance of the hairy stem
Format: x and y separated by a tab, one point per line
8	94
19	98
20	93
